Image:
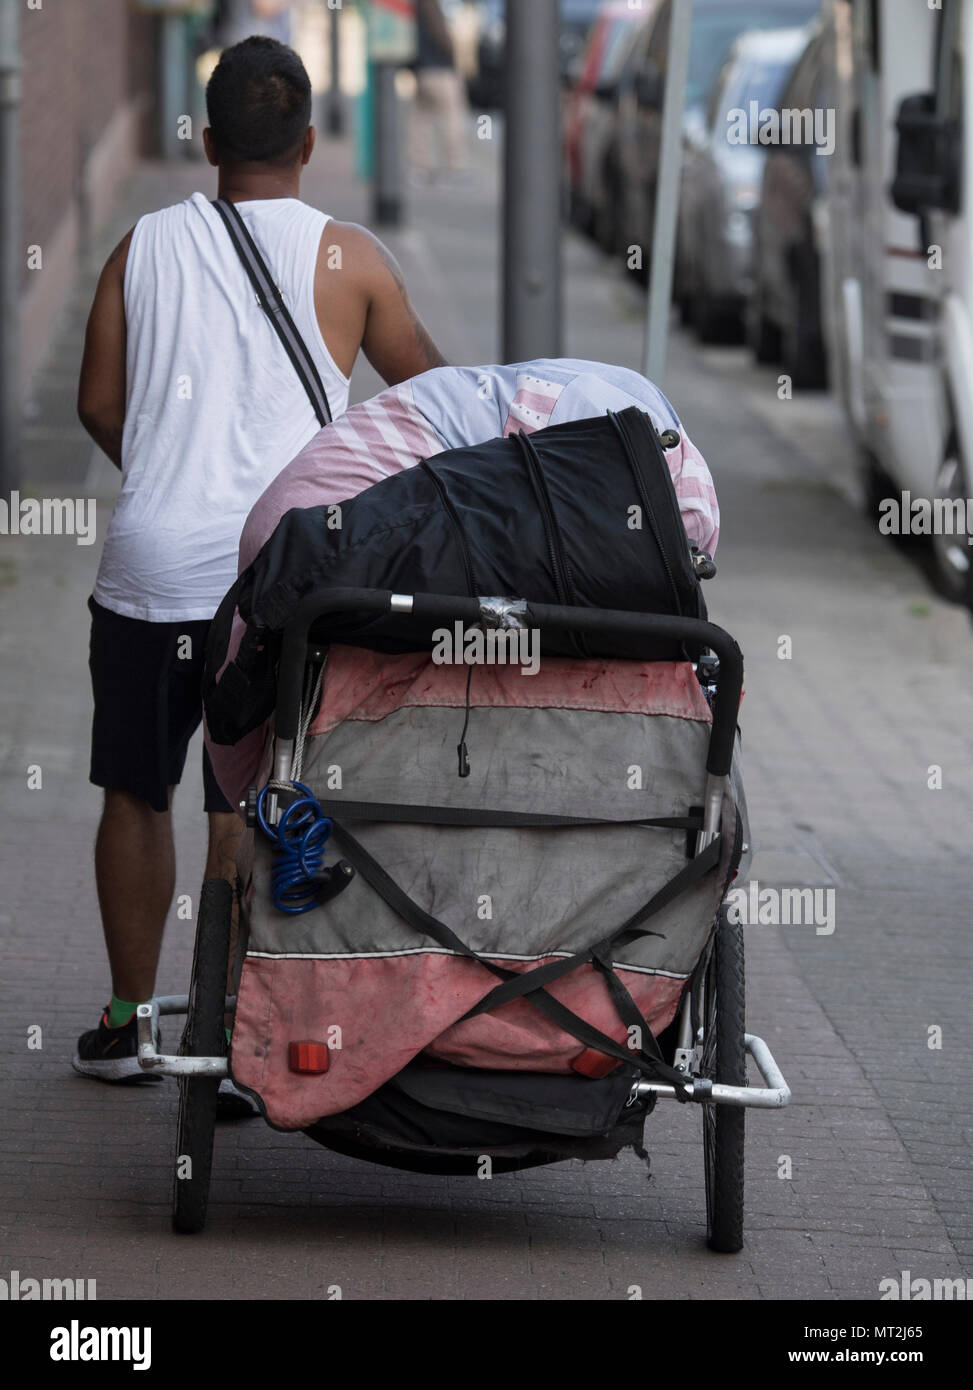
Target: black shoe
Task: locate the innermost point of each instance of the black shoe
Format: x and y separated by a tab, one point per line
112	1054
232	1104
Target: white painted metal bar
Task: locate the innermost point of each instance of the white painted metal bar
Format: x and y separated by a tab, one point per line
773	1095
163	1063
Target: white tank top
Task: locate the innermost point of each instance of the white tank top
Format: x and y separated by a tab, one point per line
214	408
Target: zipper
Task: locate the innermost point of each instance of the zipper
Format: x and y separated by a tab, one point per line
552	532
458	528
547	516
633	464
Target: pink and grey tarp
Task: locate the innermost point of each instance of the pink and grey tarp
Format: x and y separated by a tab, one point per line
617	744
609	741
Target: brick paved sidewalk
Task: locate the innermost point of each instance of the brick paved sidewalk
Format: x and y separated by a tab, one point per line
837	743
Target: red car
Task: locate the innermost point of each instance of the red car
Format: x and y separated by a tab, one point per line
589	105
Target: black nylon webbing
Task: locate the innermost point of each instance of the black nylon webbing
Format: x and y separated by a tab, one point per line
524	984
272	303
476	816
647	1058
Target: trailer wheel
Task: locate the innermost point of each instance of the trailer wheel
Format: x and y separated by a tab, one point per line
724	1060
203	1036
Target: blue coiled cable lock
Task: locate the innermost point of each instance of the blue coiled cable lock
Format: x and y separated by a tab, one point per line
299	881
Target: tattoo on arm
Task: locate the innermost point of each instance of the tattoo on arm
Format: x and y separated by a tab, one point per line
428	350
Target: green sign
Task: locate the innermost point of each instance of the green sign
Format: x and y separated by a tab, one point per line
391	30
174	7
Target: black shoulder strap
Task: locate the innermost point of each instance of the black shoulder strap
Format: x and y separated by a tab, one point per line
274	307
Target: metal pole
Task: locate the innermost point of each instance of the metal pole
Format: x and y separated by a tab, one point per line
172	86
10	245
532	183
336	115
387	185
667	193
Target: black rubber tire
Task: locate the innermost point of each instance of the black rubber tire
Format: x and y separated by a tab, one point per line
952	482
875	486
577	213
203	1036
724	1061
606	223
764	338
714	320
804	354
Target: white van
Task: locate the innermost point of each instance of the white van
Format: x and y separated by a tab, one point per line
898	257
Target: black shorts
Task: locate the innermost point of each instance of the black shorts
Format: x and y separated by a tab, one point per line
147	683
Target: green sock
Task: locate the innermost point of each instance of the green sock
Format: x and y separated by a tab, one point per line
120	1011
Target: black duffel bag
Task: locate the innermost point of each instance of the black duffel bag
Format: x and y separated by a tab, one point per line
582	513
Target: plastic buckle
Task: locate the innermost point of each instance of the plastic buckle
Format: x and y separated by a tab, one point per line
333	880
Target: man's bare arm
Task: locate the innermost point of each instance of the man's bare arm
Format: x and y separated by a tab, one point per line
365	303
101	386
396	341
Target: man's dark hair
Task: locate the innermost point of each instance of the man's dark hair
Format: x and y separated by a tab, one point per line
259	103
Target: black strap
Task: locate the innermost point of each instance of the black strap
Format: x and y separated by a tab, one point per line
473	816
272	303
647	1057
524	984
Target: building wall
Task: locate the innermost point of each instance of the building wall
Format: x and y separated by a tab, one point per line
88	89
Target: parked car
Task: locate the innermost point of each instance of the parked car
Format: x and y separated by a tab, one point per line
715	25
487	89
783	317
899	264
721	176
590	105
577	17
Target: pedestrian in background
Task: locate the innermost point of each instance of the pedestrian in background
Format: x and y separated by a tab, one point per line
439	113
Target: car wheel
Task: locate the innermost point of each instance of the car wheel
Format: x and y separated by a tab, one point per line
633	217
607	226
875	486
952	553
804	355
714	320
763	336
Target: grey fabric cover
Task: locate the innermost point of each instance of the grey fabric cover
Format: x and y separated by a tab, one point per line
550	890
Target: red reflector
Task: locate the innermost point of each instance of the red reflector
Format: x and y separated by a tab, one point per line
309	1057
593	1064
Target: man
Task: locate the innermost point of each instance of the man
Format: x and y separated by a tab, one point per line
439	111
188	390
